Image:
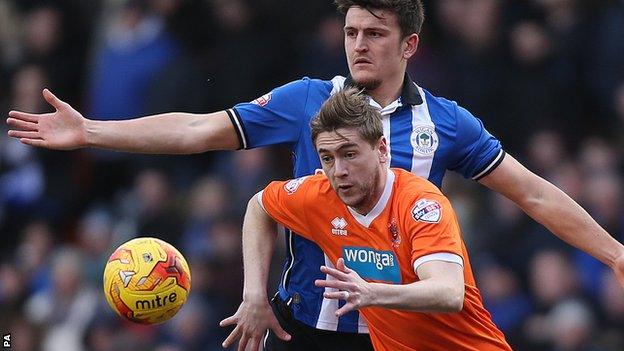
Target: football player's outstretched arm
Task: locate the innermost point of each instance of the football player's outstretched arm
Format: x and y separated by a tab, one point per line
169	133
440	289
555	210
254	316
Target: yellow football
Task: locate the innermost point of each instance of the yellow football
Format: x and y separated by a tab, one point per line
146	280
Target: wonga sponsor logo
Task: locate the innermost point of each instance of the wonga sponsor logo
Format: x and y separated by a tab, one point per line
373	264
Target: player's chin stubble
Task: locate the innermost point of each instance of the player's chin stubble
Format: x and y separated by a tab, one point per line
369	85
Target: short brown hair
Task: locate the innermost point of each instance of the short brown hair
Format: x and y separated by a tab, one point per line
348	108
410	13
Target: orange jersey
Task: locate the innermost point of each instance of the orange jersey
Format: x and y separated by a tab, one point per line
411	224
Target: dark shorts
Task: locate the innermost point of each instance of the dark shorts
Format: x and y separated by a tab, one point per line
306	338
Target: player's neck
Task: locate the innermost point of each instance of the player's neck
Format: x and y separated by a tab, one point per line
388	91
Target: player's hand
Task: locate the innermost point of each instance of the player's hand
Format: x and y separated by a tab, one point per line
252	321
63	129
351	287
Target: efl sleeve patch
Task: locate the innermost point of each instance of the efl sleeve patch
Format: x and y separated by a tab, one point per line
428	211
293	185
263	100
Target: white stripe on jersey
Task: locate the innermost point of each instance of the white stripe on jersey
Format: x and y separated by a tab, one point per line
421	164
338	82
362	325
282	230
327	318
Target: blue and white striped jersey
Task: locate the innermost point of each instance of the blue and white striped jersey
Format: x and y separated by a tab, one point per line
427	135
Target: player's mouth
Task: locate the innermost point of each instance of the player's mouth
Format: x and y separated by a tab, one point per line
344	187
362	61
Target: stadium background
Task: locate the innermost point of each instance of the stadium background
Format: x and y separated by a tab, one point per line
545	76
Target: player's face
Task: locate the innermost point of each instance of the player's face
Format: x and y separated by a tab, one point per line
376	51
353	167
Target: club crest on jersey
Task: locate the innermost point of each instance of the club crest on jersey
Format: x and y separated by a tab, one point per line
263	100
424	140
395	236
339	224
428	211
293	185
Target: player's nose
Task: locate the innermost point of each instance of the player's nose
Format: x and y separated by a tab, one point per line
360	43
340	169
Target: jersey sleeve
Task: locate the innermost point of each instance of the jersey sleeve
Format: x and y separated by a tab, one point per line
477	152
274	118
433	230
285	202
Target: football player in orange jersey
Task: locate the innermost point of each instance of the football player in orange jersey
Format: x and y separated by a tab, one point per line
409	272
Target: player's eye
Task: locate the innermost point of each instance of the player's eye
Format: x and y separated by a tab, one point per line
350	33
375	34
326	159
350	154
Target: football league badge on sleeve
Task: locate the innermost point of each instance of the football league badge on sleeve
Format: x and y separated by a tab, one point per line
428	211
263	100
293	185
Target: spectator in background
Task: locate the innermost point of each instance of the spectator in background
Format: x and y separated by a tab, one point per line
473	57
605	72
504	299
33	255
207	202
154	211
23	181
530	77
67	306
43	42
324	56
135	47
190	328
571	323
95	240
244	171
236	77
612	309
552	279
9	46
619	115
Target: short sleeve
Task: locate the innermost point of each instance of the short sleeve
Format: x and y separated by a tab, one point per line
477	152
285	202
274	118
433	230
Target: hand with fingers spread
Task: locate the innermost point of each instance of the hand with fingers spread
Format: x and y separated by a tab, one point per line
64	129
252	320
351	287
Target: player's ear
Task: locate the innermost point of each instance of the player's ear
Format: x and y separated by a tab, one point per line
410	45
382	146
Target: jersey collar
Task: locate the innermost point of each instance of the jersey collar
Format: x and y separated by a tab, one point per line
409	92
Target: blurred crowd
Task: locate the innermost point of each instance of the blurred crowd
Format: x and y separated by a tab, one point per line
545	76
